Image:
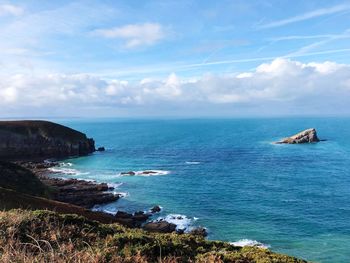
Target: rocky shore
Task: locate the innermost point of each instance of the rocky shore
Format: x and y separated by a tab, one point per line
73	191
87	194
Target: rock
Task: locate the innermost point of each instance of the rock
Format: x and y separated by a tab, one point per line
40	140
79	192
132	220
307	136
141	217
121	214
199	231
148	172
161	227
101	149
155	209
128	173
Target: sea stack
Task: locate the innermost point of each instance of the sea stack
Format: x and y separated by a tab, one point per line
307	136
41	139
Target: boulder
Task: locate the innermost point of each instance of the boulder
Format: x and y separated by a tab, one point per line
132	220
155	209
101	149
161	227
307	136
141	216
199	231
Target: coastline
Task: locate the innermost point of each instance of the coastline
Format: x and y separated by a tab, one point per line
76	196
89	194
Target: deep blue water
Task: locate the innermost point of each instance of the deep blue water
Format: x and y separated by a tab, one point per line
294	198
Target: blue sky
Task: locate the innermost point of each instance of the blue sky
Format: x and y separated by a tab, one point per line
174	58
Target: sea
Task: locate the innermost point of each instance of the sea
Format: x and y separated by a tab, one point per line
228	176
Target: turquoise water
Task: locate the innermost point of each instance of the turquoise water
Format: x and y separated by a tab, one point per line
227	175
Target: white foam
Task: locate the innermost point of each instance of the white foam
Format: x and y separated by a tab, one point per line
193	162
121	194
63	164
99	208
146	173
114	185
67	171
182	222
249	243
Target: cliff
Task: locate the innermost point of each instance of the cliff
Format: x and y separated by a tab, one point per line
41	139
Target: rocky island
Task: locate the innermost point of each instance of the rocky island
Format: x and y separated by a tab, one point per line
306	136
52	221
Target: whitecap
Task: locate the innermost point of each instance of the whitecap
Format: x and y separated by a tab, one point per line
144	173
249	243
193	162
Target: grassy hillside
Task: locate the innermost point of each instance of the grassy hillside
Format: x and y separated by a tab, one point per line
10	199
20	179
42	236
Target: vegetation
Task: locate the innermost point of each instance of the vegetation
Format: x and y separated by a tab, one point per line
20	179
43	236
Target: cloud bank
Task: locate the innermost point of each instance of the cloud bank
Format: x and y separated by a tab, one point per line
280	87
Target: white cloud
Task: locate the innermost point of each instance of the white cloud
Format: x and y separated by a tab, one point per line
281	86
135	35
12	10
307	16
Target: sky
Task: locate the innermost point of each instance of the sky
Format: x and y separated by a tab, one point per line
180	58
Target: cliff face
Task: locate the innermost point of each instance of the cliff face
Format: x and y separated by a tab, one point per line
41	139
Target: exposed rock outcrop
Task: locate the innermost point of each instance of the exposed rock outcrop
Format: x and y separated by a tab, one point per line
200	231
79	192
101	149
307	136
156	209
132	220
41	139
160	227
